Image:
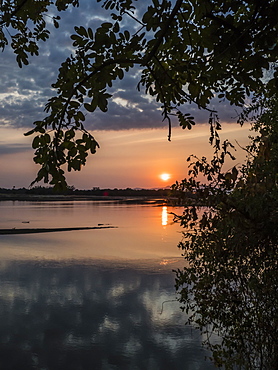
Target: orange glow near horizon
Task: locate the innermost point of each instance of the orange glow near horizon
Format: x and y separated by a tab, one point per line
125	159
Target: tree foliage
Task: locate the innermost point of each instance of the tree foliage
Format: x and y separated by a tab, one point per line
230	245
23	25
187	52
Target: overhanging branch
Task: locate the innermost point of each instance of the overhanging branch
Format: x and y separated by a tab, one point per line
164	29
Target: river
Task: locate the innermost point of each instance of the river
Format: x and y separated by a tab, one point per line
93	299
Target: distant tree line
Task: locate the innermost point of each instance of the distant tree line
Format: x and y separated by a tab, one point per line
96	191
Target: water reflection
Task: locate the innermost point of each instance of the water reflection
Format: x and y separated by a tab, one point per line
99	299
92	316
141	231
164	216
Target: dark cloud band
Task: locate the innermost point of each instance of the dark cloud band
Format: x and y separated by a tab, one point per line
25	91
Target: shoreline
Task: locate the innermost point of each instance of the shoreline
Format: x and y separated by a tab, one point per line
64	198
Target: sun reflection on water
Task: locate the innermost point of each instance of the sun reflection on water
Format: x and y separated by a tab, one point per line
164	216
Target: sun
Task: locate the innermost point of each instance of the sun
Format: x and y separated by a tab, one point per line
165	176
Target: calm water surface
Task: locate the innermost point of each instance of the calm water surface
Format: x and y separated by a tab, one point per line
93	299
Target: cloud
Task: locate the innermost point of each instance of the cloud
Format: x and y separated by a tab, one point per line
24	92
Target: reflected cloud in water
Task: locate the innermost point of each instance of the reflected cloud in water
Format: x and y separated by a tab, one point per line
93	316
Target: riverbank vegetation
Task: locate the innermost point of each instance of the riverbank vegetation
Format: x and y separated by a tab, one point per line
229	284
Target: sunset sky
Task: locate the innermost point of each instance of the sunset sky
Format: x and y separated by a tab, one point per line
134	150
